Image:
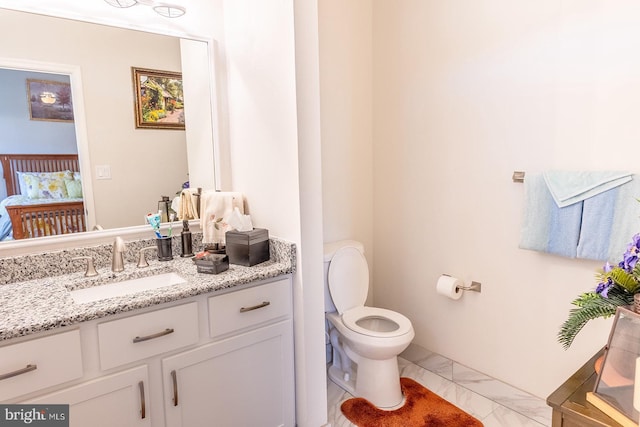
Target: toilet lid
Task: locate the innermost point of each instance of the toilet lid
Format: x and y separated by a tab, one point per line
348	278
376	322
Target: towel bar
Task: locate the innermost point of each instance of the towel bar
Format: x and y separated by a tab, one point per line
518	176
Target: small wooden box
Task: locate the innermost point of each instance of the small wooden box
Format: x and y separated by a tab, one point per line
212	263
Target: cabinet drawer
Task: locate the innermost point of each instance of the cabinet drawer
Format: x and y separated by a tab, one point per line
144	335
249	307
39	363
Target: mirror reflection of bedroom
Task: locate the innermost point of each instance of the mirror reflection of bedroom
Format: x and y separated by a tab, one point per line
41	192
125	169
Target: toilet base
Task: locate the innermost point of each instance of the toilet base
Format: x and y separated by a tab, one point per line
337	376
378	381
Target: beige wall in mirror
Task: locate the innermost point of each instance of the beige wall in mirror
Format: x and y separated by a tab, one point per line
145	164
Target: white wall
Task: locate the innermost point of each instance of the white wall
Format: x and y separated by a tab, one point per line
310	347
464	94
20	134
346	117
272	152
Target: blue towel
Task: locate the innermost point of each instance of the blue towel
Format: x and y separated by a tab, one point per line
546	227
536	214
568	187
626	219
598	228
597	225
564	230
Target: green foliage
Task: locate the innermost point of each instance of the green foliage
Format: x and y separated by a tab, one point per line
622	278
591	306
151	116
617	287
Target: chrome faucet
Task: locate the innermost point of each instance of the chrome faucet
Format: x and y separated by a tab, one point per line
117	261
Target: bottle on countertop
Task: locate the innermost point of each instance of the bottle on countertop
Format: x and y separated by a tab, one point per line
187	247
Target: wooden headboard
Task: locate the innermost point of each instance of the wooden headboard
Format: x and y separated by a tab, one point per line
13	163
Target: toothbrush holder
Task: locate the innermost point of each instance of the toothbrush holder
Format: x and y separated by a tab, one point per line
165	252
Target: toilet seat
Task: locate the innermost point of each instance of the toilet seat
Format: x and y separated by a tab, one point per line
386	323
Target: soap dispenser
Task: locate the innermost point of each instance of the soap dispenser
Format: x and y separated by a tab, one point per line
187	249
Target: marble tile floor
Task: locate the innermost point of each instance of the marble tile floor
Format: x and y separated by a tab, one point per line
494	403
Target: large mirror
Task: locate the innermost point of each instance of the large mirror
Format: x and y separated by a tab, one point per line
125	170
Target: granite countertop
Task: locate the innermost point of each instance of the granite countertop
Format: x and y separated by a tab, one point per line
39	305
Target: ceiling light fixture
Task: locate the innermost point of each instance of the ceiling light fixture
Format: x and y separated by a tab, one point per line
169	10
165	9
122	3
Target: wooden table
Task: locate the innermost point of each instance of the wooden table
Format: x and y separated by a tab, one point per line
570	407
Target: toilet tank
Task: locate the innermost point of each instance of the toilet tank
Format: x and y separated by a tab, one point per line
330	250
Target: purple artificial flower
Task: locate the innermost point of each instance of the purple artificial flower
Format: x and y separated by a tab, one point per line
630	257
603	288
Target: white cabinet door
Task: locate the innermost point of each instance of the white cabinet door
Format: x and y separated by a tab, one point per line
243	381
115	400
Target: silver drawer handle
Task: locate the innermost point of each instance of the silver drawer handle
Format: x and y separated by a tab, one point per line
255	307
17	372
152	336
143	409
174	380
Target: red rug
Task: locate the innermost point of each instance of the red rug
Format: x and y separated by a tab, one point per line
422	408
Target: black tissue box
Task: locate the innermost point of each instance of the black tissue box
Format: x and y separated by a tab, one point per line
211	263
248	247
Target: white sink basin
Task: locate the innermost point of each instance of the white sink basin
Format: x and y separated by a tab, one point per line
126	287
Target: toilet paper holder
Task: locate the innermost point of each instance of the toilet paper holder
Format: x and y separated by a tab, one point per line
473	287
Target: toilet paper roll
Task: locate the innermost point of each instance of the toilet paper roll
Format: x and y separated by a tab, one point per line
450	287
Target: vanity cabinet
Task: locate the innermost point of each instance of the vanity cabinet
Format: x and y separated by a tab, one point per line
209	360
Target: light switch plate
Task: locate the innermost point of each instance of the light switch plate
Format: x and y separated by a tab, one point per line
103	172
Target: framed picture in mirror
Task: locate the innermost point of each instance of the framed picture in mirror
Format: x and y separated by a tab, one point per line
49	100
159	99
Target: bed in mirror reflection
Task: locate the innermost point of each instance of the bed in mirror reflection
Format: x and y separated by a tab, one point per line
44	196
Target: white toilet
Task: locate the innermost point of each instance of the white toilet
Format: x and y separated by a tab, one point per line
366	340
